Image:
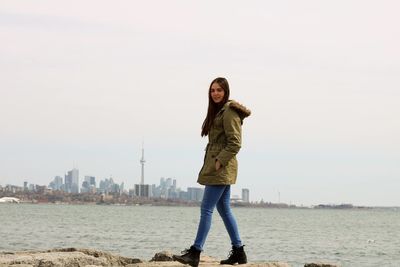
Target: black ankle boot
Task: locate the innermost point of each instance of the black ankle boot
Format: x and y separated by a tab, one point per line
237	255
189	256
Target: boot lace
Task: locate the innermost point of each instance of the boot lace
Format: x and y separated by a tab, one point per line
185	251
230	254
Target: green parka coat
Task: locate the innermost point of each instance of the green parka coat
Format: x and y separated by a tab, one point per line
224	142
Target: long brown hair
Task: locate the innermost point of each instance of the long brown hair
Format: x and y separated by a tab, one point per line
213	107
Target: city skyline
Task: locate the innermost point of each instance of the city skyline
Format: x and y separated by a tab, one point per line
89	186
86	82
167	189
71	184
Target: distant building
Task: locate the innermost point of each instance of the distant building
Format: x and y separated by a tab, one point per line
235	199
183	195
72	181
91	180
40	189
245	195
153	191
168	183
89	185
121	187
195	193
31	187
13	188
167	189
85	187
172	193
57	183
108	186
131	192
142	190
162	182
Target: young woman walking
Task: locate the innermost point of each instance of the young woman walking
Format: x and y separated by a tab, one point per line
223	125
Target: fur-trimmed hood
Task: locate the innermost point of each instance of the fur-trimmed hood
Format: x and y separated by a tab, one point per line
239	108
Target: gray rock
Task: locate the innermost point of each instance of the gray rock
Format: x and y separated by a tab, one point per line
320	264
94	258
64	257
163	256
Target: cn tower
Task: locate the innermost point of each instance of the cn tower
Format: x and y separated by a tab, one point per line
142	161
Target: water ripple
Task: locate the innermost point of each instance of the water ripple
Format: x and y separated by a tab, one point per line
347	237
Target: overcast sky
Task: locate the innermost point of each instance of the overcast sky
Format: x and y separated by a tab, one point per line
83	83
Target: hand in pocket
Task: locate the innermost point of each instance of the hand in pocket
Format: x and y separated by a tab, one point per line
217	165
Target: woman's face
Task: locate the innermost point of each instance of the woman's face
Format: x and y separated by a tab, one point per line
217	93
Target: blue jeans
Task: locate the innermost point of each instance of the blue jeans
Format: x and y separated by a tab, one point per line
216	195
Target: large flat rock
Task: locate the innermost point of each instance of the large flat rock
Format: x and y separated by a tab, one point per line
75	257
63	257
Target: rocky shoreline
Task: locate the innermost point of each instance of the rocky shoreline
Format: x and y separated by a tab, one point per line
79	257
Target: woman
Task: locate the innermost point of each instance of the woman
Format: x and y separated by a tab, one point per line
223	127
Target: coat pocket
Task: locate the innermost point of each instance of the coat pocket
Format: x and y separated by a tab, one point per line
209	163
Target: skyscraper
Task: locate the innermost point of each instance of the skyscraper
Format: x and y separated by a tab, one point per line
142	161
57	183
72	181
168	182
195	193
142	190
89	184
245	195
91	180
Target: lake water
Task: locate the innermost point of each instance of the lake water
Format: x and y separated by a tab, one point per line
347	237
